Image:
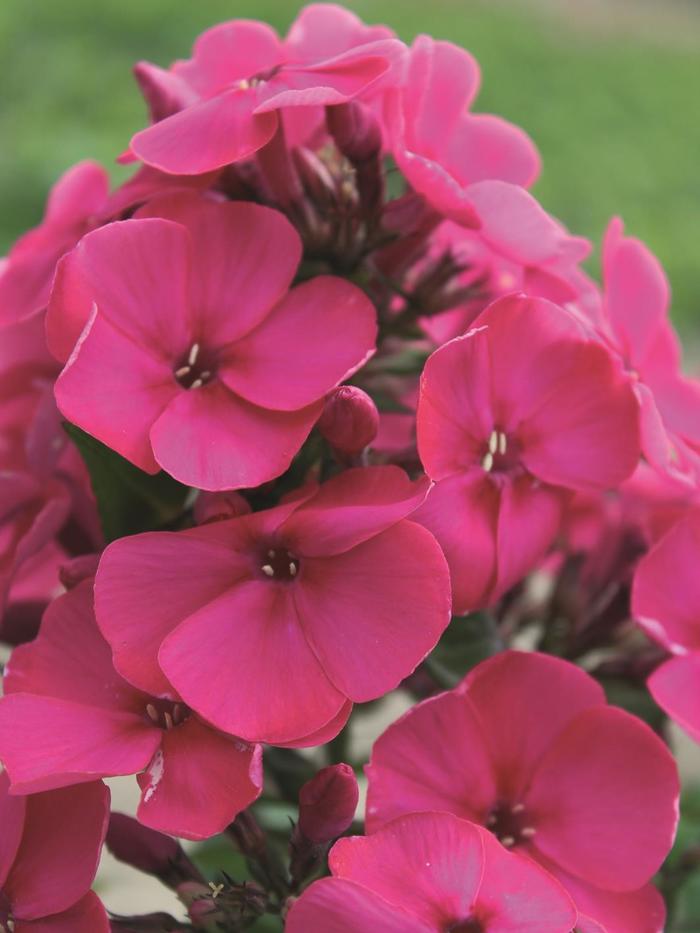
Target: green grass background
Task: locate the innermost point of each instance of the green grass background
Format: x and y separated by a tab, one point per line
614	111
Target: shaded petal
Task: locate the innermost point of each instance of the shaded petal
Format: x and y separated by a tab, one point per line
12	810
46	742
373	613
57	860
211	439
70	306
87	916
351	508
115	390
325	733
243	663
482	146
433	758
230	51
147	584
675	686
591	818
198	781
524	701
316	337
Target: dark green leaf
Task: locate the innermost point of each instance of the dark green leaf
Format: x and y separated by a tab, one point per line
467	641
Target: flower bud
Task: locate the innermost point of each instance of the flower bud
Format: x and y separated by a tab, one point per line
355	130
149	851
215	506
327	803
349	420
74	571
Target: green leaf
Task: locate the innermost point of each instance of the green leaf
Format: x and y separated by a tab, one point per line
128	500
634	699
467	641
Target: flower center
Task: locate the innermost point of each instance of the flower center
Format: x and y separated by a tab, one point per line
279	564
7	923
468	925
166	714
501	453
195	369
510	824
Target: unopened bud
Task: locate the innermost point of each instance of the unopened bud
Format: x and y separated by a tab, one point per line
215	506
349	420
78	569
327	803
355	130
150	851
164	93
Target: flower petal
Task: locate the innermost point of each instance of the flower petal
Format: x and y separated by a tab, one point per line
675	686
86	916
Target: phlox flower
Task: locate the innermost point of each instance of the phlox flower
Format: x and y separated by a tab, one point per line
431	873
68	717
49	849
270	624
511	416
196	356
527	746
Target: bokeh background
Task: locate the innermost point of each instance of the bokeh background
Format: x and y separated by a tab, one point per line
609	90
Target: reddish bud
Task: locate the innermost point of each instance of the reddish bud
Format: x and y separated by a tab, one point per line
355	130
215	506
349	420
78	569
149	851
327	803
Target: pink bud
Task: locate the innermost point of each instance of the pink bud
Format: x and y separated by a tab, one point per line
356	131
327	803
74	571
215	506
349	420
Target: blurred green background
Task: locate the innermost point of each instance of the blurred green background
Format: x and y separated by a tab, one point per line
609	89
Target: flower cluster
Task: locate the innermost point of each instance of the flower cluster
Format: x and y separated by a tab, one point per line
321	404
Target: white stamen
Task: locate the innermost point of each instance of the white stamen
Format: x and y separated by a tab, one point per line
244	84
194	353
268	570
206	374
518	808
528	832
216	889
502	443
152	712
292	569
168	720
182	371
487	462
197	384
492	820
493	442
507	841
271	554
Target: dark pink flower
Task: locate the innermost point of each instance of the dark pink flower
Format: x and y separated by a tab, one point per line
74	201
327	803
68	717
440	146
511	416
666	602
431	873
224	104
349	421
197	357
528	747
269	624
49	849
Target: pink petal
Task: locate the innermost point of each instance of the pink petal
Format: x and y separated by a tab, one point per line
462	513
57	860
338	906
198	781
230	52
322	30
666	590
675	686
207	135
325	733
211	439
230	243
80	191
351	508
147	584
373	613
524	701
315	338
114	389
518	896
482	147
434	758
86	916
12	812
243	663
70	306
428	864
606	799
47	742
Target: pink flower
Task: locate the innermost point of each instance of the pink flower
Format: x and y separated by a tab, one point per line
68	717
49	849
511	416
439	146
25	280
327	803
666	602
224	104
431	873
197	357
528	747
349	421
269	624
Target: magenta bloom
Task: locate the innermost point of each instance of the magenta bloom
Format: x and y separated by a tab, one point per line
224	103
269	624
25	279
666	602
528	747
511	416
431	873
49	849
197	357
68	717
439	146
